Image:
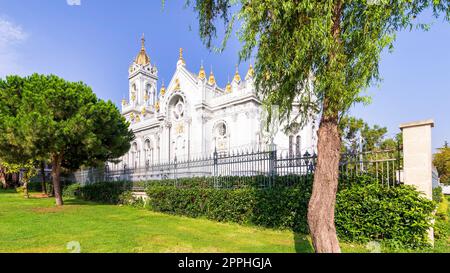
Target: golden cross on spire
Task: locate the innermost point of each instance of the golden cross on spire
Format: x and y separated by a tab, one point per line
143	41
181	55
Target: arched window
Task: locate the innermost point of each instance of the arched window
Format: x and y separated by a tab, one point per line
148	92
148	150
221	130
134	155
133	92
298	151
221	136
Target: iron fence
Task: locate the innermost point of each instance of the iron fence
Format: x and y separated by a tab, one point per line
267	165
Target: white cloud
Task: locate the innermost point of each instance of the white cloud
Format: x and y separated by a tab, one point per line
11	35
73	2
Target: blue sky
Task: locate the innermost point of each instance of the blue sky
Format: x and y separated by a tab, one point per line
96	41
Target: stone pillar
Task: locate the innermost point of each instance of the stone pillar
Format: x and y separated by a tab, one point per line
417	158
417	155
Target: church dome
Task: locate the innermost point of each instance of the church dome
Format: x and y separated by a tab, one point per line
142	58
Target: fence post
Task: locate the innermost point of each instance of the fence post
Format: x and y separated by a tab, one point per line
417	158
215	159
175	168
272	163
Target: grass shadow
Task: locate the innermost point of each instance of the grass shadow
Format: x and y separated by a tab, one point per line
79	202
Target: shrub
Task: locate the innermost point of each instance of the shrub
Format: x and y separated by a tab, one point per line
365	210
105	192
20	189
442	210
438	196
278	207
72	190
398	215
36	186
241	199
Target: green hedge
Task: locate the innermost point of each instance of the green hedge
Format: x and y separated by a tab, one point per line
104	192
36	186
278	207
241	199
398	215
365	210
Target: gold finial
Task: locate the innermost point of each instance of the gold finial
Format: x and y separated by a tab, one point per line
181	55
138	118
211	79
202	73
146	97
133	96
237	77
162	91
132	116
157	106
142	58
124	102
143	110
177	85
228	87
251	72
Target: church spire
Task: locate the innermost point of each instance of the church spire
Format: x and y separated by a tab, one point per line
237	77
202	73
142	58
143	42
212	79
181	56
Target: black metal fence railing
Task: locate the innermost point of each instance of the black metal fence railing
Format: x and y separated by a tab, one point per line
384	166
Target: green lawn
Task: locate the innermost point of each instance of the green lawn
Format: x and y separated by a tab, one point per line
36	225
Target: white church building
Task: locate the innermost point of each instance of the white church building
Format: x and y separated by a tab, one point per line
193	116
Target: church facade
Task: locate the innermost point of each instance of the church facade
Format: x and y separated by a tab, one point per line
192	116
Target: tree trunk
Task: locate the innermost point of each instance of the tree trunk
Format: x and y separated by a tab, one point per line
25	189
323	198
3	179
43	182
56	172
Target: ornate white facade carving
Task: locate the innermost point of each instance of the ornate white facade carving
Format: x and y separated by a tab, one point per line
193	116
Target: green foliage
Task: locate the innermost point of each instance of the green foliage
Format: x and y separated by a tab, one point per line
233	182
396	215
72	191
334	46
46	117
36	186
372	137
105	192
438	196
442	163
442	210
278	207
20	189
365	210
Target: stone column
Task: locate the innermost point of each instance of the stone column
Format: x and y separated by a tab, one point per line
417	158
417	155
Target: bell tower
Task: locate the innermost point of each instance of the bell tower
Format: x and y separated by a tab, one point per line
143	77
